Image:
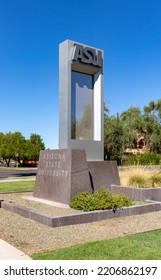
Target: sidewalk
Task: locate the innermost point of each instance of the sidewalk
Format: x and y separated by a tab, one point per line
8	252
17	180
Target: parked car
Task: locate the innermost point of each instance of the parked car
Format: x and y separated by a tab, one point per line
2	163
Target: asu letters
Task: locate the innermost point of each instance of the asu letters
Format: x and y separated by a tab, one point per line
87	55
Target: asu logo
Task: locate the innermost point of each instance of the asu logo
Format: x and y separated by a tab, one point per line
87	55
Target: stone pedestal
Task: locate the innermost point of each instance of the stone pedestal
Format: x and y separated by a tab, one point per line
103	173
64	173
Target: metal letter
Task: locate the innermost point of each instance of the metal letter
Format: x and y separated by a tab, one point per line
78	52
97	61
88	55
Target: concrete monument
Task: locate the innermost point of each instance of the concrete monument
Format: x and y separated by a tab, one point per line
81	99
62	174
78	165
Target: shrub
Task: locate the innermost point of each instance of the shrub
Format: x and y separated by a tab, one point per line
149	159
140	176
142	159
137	180
128	160
99	200
155	180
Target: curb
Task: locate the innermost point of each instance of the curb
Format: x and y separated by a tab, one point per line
80	218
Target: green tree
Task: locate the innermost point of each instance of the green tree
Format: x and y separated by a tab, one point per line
1	142
154	109
133	126
154	140
152	115
33	147
10	145
113	138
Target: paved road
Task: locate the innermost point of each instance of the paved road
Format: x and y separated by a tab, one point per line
17	173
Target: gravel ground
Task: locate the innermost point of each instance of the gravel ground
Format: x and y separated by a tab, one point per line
31	237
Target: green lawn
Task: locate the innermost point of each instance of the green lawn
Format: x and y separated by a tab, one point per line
143	246
17	186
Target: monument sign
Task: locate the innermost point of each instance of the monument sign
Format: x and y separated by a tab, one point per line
81	99
78	165
62	174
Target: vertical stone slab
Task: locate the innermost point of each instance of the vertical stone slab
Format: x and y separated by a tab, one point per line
61	174
80	179
53	176
103	173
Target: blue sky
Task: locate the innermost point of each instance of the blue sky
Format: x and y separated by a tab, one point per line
129	32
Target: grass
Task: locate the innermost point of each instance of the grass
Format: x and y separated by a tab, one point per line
140	176
142	246
17	186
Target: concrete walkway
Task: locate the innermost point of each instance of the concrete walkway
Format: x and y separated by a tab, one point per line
17	180
8	252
